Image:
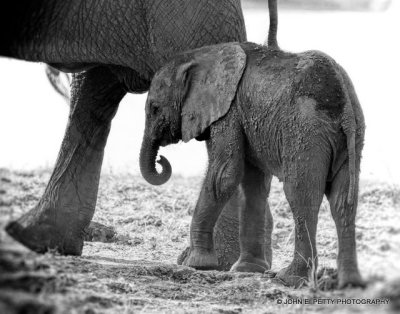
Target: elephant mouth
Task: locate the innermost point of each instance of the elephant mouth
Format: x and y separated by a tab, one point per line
169	138
166	142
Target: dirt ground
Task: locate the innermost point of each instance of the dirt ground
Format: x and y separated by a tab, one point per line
133	269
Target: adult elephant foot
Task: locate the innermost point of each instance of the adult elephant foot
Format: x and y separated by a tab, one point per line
35	234
97	232
67	206
39	231
226	234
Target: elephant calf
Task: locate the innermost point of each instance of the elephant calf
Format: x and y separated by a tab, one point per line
262	112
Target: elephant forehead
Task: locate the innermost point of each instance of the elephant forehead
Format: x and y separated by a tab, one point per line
162	82
160	85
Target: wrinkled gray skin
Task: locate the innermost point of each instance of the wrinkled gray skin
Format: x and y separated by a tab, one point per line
264	112
120	44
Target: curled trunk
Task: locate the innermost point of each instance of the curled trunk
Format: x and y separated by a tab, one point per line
148	155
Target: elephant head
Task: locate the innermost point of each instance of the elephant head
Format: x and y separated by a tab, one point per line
186	96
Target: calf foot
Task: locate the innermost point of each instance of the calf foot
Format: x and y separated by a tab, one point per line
201	259
38	232
294	275
251	265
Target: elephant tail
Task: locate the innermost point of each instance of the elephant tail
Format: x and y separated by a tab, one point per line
273	24
54	77
349	127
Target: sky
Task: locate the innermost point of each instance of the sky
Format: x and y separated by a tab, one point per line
33	117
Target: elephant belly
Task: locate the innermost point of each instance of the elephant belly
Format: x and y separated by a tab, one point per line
264	154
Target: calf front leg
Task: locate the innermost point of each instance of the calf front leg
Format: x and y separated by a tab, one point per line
224	173
67	206
226	233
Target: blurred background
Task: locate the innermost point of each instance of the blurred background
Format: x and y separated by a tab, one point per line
362	35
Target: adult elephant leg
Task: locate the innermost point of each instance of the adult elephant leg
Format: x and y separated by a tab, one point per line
67	206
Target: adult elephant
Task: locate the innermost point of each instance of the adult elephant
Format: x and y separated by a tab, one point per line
119	45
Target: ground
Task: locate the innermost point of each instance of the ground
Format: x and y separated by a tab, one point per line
134	270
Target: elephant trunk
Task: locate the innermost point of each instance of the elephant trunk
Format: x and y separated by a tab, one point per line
148	155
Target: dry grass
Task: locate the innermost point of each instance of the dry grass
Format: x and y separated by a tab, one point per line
136	272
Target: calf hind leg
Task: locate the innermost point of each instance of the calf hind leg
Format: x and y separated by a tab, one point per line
304	193
255	231
344	217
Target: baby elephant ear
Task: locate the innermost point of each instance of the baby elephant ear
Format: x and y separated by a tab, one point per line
209	81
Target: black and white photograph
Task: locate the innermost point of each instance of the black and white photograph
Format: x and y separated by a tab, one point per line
199	156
